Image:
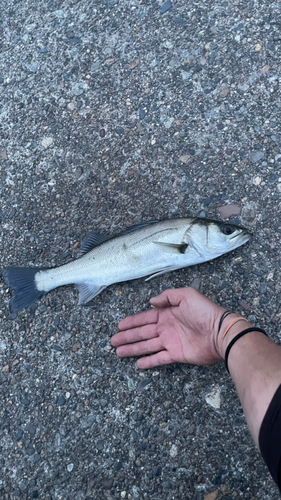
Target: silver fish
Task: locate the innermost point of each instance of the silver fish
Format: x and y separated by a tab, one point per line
148	249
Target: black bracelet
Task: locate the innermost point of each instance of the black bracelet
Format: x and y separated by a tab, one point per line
226	313
248	330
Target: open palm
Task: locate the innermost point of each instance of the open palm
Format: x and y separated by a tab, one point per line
182	327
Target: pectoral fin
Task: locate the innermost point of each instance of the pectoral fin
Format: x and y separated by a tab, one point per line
88	291
173	247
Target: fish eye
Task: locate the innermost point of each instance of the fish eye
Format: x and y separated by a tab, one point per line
227	229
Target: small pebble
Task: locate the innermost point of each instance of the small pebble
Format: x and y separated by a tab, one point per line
70	467
61	400
256	181
102	132
173	451
23	486
227	211
123	494
6	368
212	496
19	435
157	471
224	91
208	201
266	68
108	483
240	270
242	303
256	156
58	348
79	172
47	141
133	64
31	430
196	283
76	346
36	458
185	75
184	158
4	155
168	45
165	7
213	399
143	383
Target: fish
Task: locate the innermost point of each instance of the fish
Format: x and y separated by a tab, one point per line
148	249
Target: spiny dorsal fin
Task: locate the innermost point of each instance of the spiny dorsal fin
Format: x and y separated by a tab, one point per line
92	240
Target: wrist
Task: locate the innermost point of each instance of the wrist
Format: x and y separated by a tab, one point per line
232	326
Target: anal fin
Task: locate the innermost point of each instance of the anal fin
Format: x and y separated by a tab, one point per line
88	291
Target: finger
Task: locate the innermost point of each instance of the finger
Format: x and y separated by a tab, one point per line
169	298
134	335
158	359
139	348
143	318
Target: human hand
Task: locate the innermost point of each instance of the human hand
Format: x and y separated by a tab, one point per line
182	328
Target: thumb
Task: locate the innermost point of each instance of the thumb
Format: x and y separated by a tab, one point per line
168	298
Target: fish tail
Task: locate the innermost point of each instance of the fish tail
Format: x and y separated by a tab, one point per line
22	282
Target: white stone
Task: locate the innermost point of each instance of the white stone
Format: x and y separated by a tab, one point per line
168	45
60	14
47	141
256	181
70	467
173	451
169	122
213	398
185	75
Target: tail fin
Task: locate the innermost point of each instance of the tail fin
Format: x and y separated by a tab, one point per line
21	280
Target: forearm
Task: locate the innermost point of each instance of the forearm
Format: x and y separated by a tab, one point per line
255	365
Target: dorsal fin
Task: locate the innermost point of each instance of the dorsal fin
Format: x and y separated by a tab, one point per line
137	226
92	240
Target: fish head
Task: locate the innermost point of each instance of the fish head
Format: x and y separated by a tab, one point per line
211	238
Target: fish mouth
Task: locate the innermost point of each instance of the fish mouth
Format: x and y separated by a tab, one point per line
243	236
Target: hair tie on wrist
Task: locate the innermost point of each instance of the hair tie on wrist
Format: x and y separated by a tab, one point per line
240	318
232	342
226	313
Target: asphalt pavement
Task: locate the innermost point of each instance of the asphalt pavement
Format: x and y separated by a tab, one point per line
111	113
